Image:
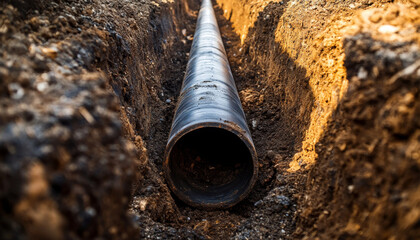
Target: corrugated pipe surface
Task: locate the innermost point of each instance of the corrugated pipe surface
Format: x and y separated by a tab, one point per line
210	159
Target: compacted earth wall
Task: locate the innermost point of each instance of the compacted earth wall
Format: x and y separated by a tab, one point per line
80	84
330	89
347	78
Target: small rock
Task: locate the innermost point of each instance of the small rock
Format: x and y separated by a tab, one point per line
271	154
148	188
362	74
387	29
41	86
90	211
72	20
375	18
16	91
142	204
168	100
254	123
4	29
283	200
50	52
258	203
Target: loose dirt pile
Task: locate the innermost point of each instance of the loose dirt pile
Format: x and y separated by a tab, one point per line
331	91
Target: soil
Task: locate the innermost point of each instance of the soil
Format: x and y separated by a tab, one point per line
330	89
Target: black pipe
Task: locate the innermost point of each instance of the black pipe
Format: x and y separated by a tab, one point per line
210	159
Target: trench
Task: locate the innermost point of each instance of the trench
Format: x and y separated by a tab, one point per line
330	90
291	75
276	139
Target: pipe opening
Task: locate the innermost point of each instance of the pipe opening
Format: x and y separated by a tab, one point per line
211	167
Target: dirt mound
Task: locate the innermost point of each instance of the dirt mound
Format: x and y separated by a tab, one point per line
64	161
326	66
365	182
68	166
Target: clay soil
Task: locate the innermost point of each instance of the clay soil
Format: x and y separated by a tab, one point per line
330	89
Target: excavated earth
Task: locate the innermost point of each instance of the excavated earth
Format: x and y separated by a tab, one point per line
330	89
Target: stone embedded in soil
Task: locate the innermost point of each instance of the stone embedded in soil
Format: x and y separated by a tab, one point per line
275	200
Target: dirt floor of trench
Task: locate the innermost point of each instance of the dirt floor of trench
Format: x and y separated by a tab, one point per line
330	90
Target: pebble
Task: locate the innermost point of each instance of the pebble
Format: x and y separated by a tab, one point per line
142	205
258	203
254	123
50	52
387	29
271	154
168	100
91	211
362	74
148	188
375	18
72	20
4	29
42	86
16	91
283	200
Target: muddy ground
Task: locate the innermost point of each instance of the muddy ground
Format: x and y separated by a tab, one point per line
331	92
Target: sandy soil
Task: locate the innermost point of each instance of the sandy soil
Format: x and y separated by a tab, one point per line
331	91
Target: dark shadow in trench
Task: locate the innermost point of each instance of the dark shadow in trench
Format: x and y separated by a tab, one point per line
263	67
171	67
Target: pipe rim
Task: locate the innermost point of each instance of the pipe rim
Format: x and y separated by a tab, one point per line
232	128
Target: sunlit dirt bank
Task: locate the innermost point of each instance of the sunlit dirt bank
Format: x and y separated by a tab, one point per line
346	75
330	89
